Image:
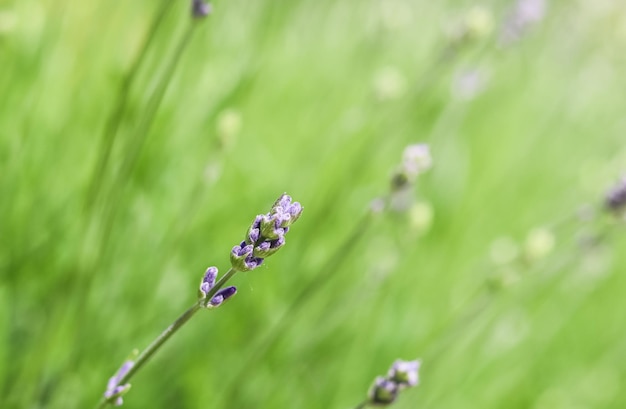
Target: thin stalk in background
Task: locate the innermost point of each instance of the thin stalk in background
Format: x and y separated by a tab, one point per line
98	234
110	131
111	206
480	306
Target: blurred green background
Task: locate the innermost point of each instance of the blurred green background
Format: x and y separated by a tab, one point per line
136	146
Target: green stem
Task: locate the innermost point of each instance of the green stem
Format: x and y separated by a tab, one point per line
361	405
147	353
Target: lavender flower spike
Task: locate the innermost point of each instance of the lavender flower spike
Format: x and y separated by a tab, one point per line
266	234
404	373
115	391
208	282
385	390
242	259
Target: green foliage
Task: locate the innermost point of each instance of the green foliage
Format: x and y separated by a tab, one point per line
136	145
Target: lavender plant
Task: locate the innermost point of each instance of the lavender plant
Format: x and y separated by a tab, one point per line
264	238
385	389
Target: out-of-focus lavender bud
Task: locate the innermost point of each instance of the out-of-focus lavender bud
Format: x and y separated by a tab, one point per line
268	248
524	14
615	199
221	296
242	259
115	391
416	160
404	373
208	281
383	392
200	9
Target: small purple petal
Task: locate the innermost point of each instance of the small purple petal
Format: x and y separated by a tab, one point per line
242	250
253	236
223	295
283	201
295	209
210	276
241	257
253	262
257	221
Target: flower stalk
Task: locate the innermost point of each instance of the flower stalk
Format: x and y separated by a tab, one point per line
259	244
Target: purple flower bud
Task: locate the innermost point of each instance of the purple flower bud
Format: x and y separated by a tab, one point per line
268	248
253	236
285	211
223	295
208	281
242	250
404	373
270	227
242	259
283	201
383	392
200	9
295	210
416	160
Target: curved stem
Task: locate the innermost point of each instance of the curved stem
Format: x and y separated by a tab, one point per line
147	353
